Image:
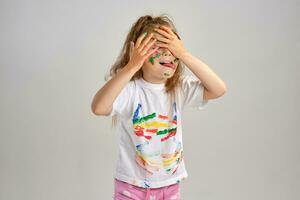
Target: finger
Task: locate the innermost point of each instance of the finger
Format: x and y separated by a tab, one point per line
162	39
147	47
164	33
177	36
161	44
139	40
145	41
168	29
151	52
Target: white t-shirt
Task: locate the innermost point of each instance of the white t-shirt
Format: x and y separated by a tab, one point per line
150	141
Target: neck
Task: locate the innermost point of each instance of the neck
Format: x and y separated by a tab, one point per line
154	79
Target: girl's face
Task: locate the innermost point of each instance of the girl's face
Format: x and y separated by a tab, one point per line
161	65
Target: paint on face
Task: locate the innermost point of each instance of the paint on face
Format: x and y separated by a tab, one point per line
151	59
166	74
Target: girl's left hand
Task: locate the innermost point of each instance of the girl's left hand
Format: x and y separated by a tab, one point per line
170	41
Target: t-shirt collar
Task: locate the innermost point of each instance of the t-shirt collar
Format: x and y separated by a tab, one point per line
147	84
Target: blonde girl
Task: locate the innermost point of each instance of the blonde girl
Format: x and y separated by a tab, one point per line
145	94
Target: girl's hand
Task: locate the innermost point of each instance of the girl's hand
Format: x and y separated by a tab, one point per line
139	52
170	41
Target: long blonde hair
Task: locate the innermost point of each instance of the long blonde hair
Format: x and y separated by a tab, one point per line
146	23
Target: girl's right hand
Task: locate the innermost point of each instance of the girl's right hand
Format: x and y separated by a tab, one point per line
139	52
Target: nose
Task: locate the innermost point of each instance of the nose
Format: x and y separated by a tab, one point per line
166	52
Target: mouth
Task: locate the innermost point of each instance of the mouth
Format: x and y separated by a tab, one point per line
167	63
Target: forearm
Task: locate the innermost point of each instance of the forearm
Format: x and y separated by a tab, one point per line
210	80
105	97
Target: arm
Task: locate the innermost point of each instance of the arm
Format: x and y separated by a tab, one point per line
104	98
213	86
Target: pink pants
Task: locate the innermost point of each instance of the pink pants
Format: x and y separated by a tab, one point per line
125	191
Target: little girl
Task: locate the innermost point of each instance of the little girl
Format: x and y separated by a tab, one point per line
148	92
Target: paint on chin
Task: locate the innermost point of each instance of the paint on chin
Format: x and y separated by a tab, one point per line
167	73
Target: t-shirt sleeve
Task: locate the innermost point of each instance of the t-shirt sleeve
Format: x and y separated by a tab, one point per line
121	104
193	91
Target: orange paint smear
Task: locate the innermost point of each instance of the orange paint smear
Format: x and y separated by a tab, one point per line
142	163
152	130
163	117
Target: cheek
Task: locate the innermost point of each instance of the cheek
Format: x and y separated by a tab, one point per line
153	57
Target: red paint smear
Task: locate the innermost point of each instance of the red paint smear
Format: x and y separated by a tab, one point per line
175	169
139	133
166	155
148	137
173	133
173	122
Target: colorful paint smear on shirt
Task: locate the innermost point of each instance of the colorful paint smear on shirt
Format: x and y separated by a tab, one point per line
153	128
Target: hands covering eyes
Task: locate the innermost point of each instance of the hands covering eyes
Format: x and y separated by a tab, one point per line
140	51
168	39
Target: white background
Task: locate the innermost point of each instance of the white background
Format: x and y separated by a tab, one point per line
53	58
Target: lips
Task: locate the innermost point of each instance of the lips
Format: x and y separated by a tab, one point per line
167	64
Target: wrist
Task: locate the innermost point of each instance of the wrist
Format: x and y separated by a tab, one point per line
131	68
184	55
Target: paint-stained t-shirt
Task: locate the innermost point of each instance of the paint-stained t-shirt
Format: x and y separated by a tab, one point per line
149	131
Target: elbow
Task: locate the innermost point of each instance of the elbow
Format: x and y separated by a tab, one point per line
95	110
99	110
224	87
222	92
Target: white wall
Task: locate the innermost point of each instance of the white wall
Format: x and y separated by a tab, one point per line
53	57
